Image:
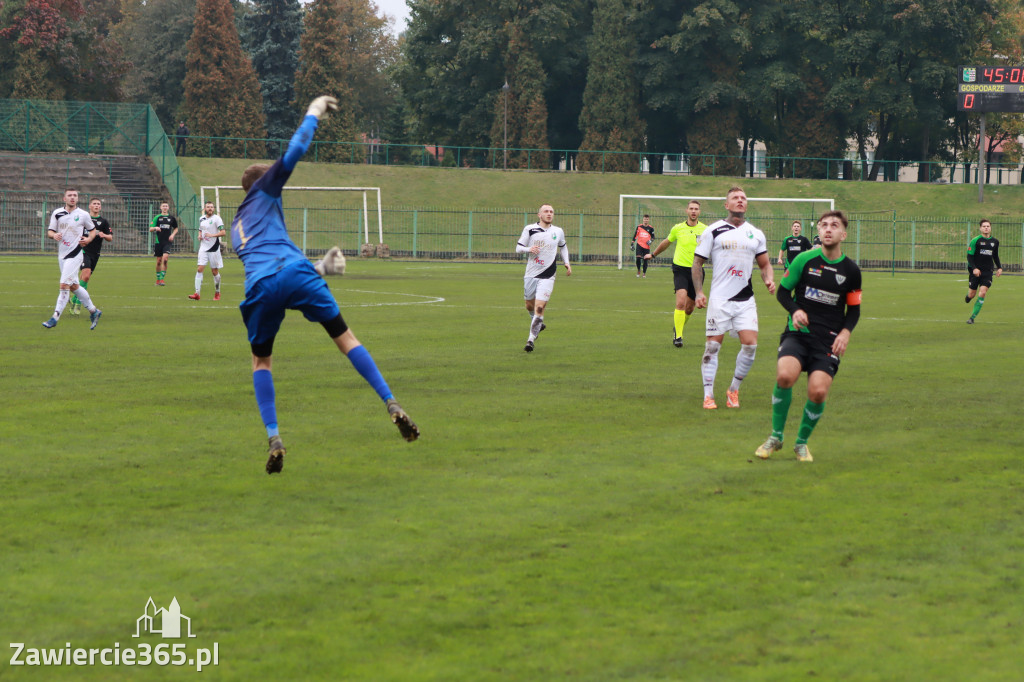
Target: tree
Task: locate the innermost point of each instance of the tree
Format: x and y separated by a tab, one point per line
527	118
452	69
610	119
713	39
371	52
323	71
59	49
270	35
222	94
153	36
457	57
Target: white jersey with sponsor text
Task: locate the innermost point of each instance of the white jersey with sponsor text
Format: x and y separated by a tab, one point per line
732	251
210	225
71	226
544	265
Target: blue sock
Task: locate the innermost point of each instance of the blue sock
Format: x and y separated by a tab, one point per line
263	382
364	364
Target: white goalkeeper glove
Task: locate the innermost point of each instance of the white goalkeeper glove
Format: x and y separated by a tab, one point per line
333	263
321	105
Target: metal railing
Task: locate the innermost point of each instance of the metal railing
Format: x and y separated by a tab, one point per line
73	128
389	154
878	241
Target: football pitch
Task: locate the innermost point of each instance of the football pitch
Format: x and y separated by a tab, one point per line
570	514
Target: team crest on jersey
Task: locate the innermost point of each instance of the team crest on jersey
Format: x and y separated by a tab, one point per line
750	235
840	279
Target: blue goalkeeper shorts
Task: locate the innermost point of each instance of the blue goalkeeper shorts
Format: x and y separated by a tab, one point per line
296	287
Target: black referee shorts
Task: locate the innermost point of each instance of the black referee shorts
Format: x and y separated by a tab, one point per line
682	278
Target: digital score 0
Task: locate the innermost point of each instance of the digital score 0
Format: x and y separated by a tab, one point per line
984	89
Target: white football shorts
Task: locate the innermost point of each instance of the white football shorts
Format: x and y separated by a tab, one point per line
731	316
538	289
211	258
69	268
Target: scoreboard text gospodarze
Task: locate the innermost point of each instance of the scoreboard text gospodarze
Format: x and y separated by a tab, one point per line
983	89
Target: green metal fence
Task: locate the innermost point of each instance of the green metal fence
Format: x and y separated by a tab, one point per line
878	241
97	128
671	163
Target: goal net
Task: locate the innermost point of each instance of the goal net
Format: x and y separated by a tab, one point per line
317	218
773	216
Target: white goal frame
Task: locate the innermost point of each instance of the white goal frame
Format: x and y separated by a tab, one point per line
366	214
622	197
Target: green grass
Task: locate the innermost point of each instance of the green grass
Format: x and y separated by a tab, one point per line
572	514
599	192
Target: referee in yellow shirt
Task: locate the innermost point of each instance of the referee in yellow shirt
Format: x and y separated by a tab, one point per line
686	235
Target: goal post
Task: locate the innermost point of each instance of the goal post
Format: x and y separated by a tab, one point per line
777	211
213	193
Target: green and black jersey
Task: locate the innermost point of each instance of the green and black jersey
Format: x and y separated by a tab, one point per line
794	246
167	224
828	291
983	254
96	244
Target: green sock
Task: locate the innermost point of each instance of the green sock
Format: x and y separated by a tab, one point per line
812	415
781	398
978	302
84	285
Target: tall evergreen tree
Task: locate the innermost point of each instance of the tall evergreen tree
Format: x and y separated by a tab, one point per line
322	71
154	35
222	94
610	118
370	55
270	33
527	117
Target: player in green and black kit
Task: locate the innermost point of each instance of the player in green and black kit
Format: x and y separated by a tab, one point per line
821	291
91	251
793	246
982	261
166	227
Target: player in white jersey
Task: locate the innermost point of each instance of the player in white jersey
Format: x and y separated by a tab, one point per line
71	228
733	246
542	241
211	229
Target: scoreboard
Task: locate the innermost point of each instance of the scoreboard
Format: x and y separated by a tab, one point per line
984	89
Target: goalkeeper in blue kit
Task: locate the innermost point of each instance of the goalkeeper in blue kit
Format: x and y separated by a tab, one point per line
821	292
278	277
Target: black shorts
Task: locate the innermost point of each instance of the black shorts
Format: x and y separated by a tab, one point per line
682	278
982	280
811	351
89	260
641	251
161	249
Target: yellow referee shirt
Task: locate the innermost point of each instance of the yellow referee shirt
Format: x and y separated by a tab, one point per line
686	239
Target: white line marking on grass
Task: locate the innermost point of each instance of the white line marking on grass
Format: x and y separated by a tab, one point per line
430	299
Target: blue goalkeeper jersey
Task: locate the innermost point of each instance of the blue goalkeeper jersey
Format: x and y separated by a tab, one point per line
258	232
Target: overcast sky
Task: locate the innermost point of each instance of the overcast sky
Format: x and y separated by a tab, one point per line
396	9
